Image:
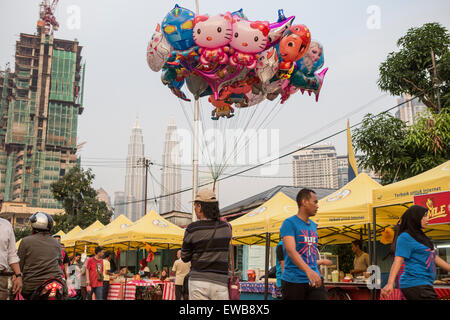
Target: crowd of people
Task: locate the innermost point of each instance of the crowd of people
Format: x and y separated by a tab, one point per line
202	268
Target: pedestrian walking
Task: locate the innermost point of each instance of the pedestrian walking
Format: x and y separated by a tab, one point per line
181	269
301	279
66	261
206	245
417	252
280	255
8	259
94	275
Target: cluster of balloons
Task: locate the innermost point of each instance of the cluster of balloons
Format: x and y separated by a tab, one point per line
233	60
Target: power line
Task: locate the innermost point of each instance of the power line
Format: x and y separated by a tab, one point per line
282	156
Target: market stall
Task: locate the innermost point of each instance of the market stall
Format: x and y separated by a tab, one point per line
73	231
151	230
343	216
442	291
255	290
142	290
74	241
391	201
261	226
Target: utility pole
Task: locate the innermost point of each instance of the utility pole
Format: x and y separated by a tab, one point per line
436	81
145	163
195	153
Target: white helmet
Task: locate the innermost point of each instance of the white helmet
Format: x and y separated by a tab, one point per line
41	221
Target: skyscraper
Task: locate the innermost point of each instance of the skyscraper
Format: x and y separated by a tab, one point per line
102	195
135	176
408	111
40	102
316	167
119	200
343	171
171	176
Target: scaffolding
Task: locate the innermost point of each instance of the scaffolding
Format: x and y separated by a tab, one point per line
39	107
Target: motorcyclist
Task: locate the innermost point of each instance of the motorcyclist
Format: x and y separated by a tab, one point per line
40	256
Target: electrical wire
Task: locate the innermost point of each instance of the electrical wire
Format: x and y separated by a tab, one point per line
284	155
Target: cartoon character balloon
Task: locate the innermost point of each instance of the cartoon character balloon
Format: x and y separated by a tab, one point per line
267	65
178	27
249	38
293	45
278	28
158	50
212	35
313	60
234	61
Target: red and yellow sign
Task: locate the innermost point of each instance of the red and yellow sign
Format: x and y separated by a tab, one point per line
438	205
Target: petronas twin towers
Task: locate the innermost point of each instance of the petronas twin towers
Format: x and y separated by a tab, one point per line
170	176
134	195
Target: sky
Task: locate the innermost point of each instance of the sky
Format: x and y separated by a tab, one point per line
357	36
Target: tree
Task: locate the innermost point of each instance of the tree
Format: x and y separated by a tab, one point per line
396	151
79	200
20	233
410	70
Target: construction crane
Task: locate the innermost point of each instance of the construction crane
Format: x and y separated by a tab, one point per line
47	19
80	145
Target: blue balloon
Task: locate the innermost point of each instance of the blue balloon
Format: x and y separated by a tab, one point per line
239	13
178	26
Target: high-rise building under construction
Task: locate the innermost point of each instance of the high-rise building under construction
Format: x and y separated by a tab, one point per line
40	102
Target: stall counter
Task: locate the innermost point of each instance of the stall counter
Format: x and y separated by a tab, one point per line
442	291
349	291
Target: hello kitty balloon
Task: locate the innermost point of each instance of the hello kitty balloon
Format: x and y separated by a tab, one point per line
249	38
158	50
212	35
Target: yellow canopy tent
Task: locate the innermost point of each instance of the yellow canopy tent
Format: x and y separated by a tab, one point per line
253	227
341	216
151	229
60	233
69	241
70	233
344	215
92	238
75	242
391	201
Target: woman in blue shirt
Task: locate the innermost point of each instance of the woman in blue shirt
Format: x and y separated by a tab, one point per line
417	252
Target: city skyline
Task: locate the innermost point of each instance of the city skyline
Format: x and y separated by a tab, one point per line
170	175
135	175
119	83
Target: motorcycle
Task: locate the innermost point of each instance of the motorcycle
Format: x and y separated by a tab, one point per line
51	289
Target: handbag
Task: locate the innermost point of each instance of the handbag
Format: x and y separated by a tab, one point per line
19	296
99	272
234	287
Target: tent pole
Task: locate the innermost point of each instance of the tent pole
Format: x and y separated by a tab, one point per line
374	292
195	144
74	250
266	278
374	237
369	242
126	267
